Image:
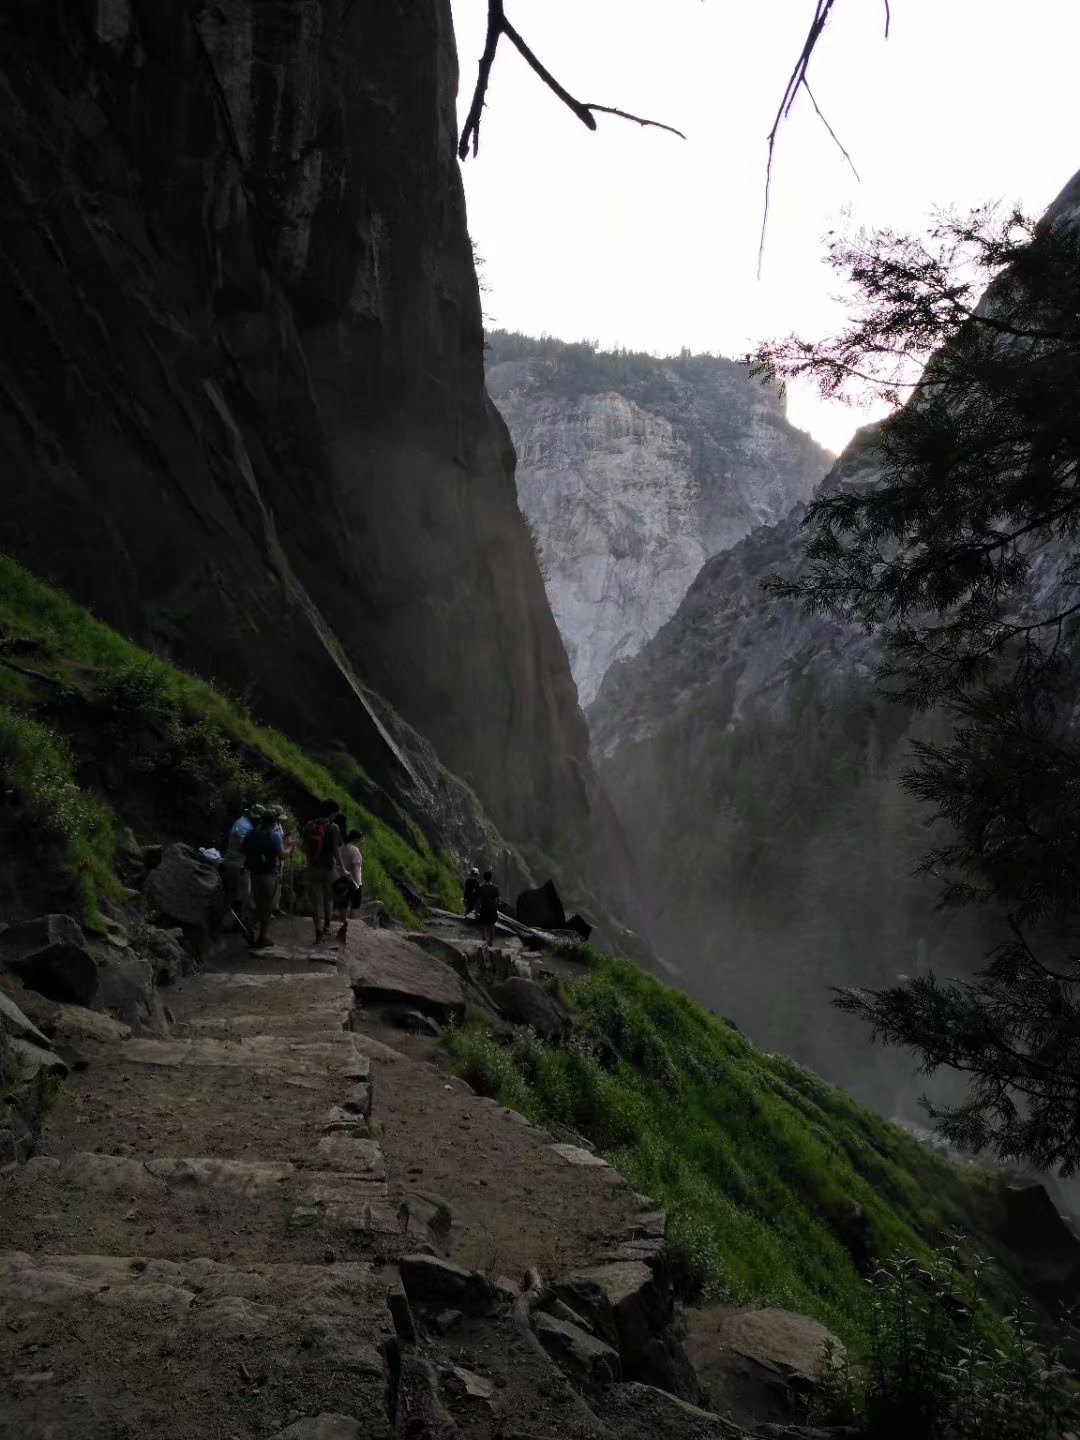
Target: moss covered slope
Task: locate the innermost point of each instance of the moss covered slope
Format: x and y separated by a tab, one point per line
780	1189
97	734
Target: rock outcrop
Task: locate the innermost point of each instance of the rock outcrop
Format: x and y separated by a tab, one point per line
632	472
244	414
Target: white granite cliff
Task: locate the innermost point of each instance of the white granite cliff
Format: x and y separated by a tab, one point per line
632	472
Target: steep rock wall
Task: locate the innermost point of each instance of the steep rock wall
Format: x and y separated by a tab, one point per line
633	471
242	406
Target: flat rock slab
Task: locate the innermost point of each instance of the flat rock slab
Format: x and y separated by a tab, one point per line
334	1054
136	1346
382	966
575	1155
790	1344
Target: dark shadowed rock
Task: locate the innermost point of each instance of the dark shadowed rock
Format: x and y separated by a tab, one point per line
420	1414
579	926
627	1305
1033	1229
589	1360
430	1281
186	889
527	1003
50	955
541	908
126	987
641	1412
168	957
323	1427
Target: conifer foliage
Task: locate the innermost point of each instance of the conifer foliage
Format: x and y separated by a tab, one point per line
954	533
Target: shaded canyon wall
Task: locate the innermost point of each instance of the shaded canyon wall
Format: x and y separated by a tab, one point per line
242	405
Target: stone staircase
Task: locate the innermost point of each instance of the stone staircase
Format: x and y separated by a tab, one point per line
183	1258
226	1233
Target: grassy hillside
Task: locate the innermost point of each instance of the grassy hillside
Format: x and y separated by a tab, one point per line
774	1180
97	734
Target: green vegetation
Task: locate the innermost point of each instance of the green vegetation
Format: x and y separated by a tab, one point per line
580	367
774	1181
931	1373
37	767
177	736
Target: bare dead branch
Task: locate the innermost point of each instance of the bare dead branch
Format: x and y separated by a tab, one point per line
828	127
637	119
888	19
470	131
499	25
822	10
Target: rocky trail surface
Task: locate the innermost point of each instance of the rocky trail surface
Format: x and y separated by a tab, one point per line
279	1218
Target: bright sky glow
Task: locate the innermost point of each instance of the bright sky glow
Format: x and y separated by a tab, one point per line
635	238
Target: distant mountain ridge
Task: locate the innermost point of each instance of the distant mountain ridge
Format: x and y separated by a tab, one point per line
632	471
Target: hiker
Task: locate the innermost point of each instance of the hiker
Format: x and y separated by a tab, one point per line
280	819
264	850
470	890
237	877
322	850
349	888
487	909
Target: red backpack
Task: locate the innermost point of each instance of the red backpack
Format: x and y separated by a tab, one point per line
317	842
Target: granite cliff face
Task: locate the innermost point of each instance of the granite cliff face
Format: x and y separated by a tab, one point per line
242	405
632	472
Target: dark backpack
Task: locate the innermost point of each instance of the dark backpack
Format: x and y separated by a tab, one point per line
317	842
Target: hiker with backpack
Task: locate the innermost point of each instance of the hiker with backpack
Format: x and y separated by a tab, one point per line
487	909
322	851
264	850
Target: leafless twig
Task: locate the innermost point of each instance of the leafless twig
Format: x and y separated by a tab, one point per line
498	25
796	80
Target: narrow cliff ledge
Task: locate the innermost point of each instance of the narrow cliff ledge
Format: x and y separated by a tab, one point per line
633	471
242	405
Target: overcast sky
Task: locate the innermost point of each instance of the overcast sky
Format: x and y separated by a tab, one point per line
635	238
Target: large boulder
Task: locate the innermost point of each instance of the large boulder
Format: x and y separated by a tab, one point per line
185	888
757	1364
50	955
541	908
527	1003
627	1305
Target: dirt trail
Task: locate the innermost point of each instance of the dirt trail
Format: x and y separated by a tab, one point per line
207	1239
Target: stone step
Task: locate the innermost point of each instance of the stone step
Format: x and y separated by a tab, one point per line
98	1346
334	1054
264	1096
202	1205
251	1003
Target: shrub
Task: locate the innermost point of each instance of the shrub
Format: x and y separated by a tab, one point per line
940	1368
